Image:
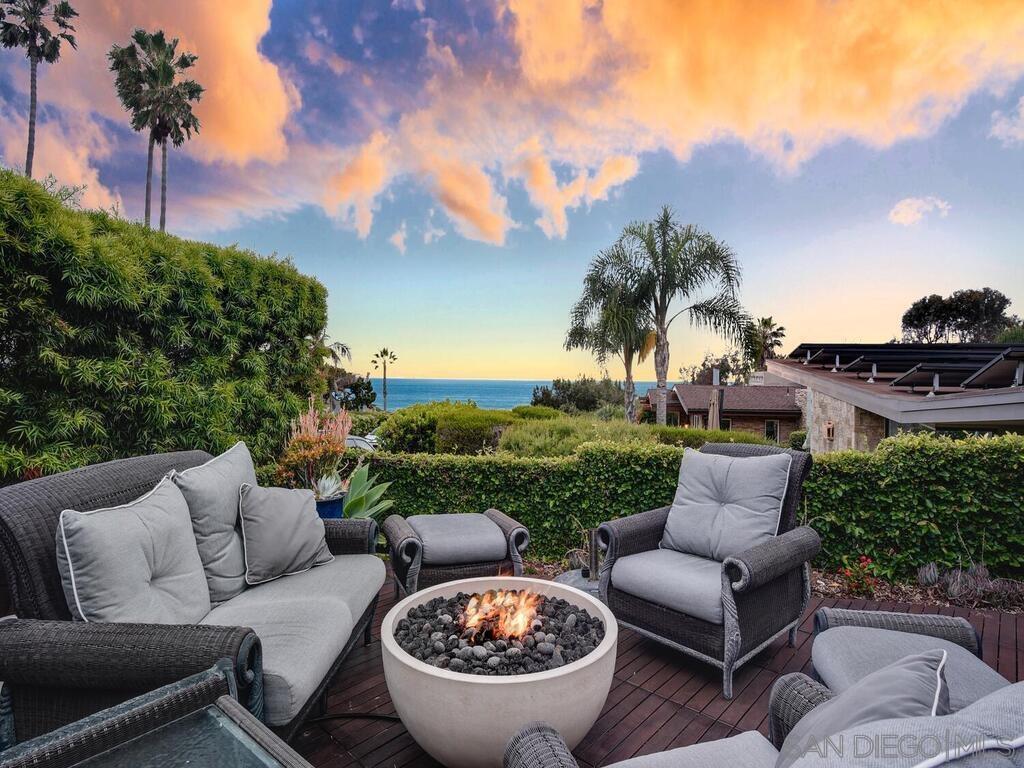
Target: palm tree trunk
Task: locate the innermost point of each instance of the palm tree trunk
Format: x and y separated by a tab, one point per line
385	387
630	394
149	178
661	372
31	150
163	184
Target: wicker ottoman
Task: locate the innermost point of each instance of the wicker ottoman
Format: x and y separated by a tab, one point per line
427	550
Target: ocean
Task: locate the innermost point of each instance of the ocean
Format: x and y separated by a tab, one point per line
486	393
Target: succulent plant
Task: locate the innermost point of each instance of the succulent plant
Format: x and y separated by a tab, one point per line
978	570
328	486
928	575
955	581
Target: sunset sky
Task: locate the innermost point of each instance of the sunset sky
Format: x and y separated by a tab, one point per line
448	170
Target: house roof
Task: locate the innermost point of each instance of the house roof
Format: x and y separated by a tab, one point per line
915	383
739	398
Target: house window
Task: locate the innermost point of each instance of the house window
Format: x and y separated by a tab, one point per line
672	419
771	429
725	424
830	431
697	420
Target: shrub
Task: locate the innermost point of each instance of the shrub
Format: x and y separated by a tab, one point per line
536	412
797	438
561	437
609	412
442	427
364	422
916	499
117	341
575	395
688	437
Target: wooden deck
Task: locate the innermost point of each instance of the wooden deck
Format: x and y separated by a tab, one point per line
659	699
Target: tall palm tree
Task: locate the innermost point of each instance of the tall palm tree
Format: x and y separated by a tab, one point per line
763	338
609	318
381	360
148	77
24	24
683	263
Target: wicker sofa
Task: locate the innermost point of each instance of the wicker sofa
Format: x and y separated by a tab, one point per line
56	670
763	590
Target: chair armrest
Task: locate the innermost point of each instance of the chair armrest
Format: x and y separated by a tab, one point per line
632	534
353	536
765	562
516	533
403	542
955	629
537	745
121	657
792	697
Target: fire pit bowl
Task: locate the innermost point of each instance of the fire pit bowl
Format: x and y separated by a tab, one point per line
465	720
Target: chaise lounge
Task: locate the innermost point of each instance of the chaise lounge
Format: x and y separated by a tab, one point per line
285	638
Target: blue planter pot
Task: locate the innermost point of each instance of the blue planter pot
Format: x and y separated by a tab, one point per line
331	509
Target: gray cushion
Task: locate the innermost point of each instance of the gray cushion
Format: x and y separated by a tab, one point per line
303	622
211	491
136	562
911	687
282	533
684	583
453	539
724	505
747	750
989	734
844	655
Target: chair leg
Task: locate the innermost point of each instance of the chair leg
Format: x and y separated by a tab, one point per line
727	682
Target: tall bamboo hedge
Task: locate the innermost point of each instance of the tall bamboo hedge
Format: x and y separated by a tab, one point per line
914	500
116	340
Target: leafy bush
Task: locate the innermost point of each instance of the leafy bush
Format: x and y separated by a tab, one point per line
117	341
575	395
687	437
536	412
364	422
916	499
442	427
561	437
609	412
797	438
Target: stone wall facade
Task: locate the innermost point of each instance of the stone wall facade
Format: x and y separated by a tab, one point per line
853	428
754	423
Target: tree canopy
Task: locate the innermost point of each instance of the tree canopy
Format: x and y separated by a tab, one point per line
970	315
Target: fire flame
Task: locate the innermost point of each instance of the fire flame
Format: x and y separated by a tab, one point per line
499	614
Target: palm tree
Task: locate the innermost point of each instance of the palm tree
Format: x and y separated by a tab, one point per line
609	317
147	77
381	360
763	338
683	263
23	24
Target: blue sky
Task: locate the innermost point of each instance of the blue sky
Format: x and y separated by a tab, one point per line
448	170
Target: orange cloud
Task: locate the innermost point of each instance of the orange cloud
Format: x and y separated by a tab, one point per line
317	53
247	101
355	188
397	238
911	210
466	193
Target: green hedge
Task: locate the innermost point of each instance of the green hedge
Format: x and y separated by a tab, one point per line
541	412
116	340
916	499
364	422
687	437
443	427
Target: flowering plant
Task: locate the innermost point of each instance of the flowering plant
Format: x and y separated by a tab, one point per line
859	577
315	451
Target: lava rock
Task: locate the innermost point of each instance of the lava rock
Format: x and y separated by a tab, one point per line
545	648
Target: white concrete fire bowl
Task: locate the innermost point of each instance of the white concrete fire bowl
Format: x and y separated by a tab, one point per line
465	721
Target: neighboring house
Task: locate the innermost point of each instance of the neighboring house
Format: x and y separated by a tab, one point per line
771	411
858	394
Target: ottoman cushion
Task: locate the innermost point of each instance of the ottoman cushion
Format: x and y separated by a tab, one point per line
454	539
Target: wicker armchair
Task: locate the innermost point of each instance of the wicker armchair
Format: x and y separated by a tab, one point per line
764	589
412	574
56	670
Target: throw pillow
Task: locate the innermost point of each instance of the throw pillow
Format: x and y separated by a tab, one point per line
282	532
136	562
914	686
724	505
211	491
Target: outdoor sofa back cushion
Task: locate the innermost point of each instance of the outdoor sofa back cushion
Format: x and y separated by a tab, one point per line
912	687
987	734
282	533
211	491
724	505
137	562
